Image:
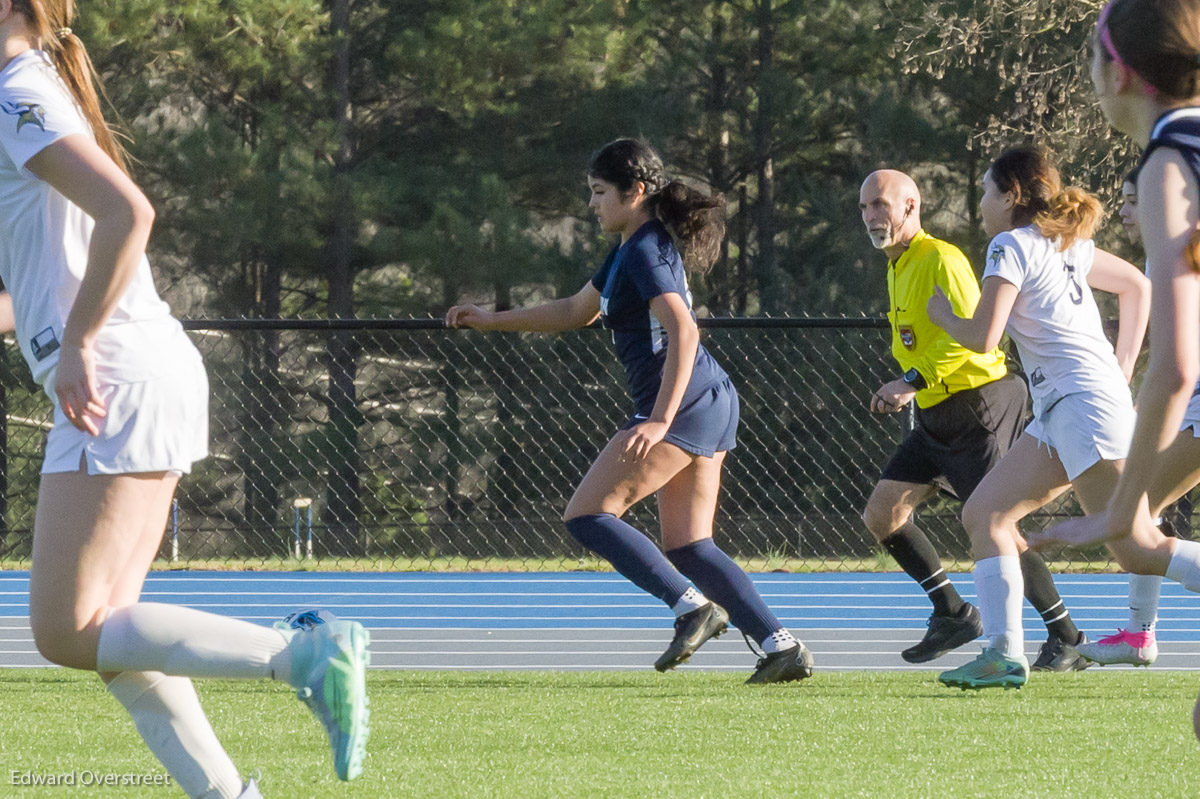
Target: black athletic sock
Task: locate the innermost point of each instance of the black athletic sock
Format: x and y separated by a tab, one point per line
913	550
1041	593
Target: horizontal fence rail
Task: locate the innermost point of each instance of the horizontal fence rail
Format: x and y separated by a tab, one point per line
404	445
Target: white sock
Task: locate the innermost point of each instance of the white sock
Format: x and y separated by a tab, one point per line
190	643
778	641
691	600
168	715
999	585
1143	602
1184	567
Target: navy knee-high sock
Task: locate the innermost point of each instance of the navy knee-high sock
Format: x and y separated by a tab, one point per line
724	582
632	554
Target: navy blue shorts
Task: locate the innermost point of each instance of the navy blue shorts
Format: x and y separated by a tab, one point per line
706	425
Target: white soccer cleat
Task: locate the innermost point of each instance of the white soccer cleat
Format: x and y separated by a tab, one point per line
1136	649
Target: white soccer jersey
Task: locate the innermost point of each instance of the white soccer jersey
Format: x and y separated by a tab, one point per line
45	251
1054	321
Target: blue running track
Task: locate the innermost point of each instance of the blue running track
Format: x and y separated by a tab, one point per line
600	621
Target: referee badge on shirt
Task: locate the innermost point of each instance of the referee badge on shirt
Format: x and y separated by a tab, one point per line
907	337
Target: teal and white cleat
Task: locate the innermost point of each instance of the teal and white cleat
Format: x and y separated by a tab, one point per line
329	664
990	670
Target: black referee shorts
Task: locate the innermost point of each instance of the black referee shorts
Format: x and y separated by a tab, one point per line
962	437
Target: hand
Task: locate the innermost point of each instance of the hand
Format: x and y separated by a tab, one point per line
75	386
938	309
642	438
1078	532
892	397
471	316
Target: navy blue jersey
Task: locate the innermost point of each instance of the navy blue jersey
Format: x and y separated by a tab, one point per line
1180	131
644	267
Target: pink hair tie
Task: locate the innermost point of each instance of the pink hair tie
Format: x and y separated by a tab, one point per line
1106	40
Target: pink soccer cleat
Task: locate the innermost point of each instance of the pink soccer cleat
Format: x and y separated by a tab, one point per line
1137	649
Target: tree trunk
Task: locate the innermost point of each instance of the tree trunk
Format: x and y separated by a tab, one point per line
447	541
718	155
343	502
503	485
263	397
741	290
766	269
975	243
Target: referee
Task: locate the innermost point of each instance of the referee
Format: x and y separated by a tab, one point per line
969	412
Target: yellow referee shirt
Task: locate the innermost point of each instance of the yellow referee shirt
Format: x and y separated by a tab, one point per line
917	343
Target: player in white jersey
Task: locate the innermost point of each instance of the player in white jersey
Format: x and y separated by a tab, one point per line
1146	72
1041	267
1136	643
130	417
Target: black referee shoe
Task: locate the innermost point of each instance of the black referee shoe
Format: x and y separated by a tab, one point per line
946	633
790	665
691	631
1057	655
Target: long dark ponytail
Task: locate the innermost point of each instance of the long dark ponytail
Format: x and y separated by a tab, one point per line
695	220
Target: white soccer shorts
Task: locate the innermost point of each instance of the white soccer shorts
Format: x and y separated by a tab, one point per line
1086	428
158	425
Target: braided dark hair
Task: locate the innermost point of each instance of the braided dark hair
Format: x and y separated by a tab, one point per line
695	220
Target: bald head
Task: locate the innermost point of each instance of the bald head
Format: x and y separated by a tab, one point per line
891	210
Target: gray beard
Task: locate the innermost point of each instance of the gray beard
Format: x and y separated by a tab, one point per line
882	242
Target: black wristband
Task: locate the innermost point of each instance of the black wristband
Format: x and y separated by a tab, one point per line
915	379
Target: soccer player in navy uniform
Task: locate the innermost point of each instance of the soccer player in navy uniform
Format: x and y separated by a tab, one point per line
685	409
969	412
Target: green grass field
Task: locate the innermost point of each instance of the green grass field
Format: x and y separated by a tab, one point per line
694	735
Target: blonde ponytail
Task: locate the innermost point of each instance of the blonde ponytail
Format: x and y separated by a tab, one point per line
1072	214
1193	250
1063	214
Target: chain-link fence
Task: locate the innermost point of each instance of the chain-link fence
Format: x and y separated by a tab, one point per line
399	444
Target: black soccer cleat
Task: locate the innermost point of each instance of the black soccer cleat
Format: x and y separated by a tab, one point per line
790	665
946	633
1057	655
691	631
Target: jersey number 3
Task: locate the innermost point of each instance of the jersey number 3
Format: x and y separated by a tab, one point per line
1075	289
